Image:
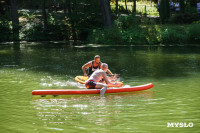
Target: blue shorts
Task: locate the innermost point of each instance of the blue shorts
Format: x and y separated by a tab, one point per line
90	84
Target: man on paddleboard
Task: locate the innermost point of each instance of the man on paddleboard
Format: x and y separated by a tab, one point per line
98	75
93	66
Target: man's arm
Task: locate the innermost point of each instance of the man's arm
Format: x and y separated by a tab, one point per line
106	78
109	72
89	64
108	82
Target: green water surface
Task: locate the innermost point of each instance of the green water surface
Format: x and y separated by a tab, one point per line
175	97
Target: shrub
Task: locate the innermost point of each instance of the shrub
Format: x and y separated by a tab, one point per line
125	22
153	34
172	36
133	30
193	33
96	36
184	18
134	35
33	32
113	35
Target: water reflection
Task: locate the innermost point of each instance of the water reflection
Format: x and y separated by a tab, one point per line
91	109
156	62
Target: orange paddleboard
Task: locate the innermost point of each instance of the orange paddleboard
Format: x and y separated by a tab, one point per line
90	91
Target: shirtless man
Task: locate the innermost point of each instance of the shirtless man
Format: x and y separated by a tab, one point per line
93	66
98	75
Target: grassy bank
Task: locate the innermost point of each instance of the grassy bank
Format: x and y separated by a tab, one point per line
137	30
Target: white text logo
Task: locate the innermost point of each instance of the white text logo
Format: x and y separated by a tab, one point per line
179	124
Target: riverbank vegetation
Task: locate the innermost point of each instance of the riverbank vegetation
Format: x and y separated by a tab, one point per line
136	30
116	22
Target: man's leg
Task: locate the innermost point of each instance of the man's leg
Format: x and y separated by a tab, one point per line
101	86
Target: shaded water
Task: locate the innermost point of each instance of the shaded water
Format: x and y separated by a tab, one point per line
174	71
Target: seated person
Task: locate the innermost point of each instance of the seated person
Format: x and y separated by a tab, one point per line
98	75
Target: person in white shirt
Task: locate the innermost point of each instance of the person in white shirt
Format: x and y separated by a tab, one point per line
98	75
158	6
171	4
198	6
177	7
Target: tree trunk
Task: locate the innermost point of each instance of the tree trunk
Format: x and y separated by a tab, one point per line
134	6
15	20
71	9
106	12
65	6
164	10
182	6
126	6
116	8
44	15
74	35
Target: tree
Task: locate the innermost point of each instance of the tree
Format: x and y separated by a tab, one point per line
164	10
126	6
182	6
134	6
106	12
72	17
116	8
15	20
44	15
65	6
193	3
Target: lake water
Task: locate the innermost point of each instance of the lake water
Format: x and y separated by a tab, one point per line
175	97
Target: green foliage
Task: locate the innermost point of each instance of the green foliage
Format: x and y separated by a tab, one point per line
57	29
180	35
113	35
152	34
84	18
5	28
184	18
34	32
107	36
83	21
193	33
182	6
126	30
125	22
96	36
81	18
172	36
135	30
